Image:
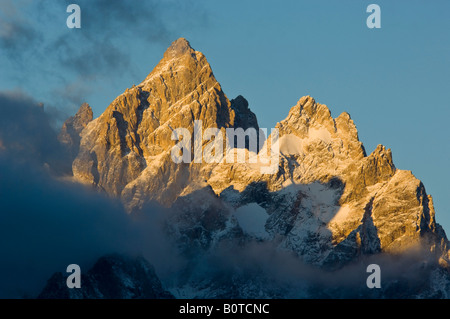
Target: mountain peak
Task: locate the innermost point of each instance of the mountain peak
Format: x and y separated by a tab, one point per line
85	108
70	134
178	48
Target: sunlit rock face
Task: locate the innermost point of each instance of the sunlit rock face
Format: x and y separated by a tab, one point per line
329	203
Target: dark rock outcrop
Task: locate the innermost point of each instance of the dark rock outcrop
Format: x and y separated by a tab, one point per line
112	277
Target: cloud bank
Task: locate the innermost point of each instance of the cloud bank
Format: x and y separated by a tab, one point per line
47	222
74	63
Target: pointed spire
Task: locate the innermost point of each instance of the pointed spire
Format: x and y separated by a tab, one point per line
178	48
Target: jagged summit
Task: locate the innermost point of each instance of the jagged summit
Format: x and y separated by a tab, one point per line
118	150
70	134
179	57
309	122
179	47
85	108
329	202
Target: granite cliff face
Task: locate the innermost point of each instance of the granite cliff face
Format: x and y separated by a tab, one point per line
126	151
329	203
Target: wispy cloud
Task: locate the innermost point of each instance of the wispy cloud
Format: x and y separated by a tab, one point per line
17	33
27	134
39	47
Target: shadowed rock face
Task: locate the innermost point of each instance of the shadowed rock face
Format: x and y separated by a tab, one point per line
70	135
112	277
329	203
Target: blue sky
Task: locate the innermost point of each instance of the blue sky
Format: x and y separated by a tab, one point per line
394	81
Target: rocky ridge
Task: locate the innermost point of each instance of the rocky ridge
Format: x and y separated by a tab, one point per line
329	202
70	134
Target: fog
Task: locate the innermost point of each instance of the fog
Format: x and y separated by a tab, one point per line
48	222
